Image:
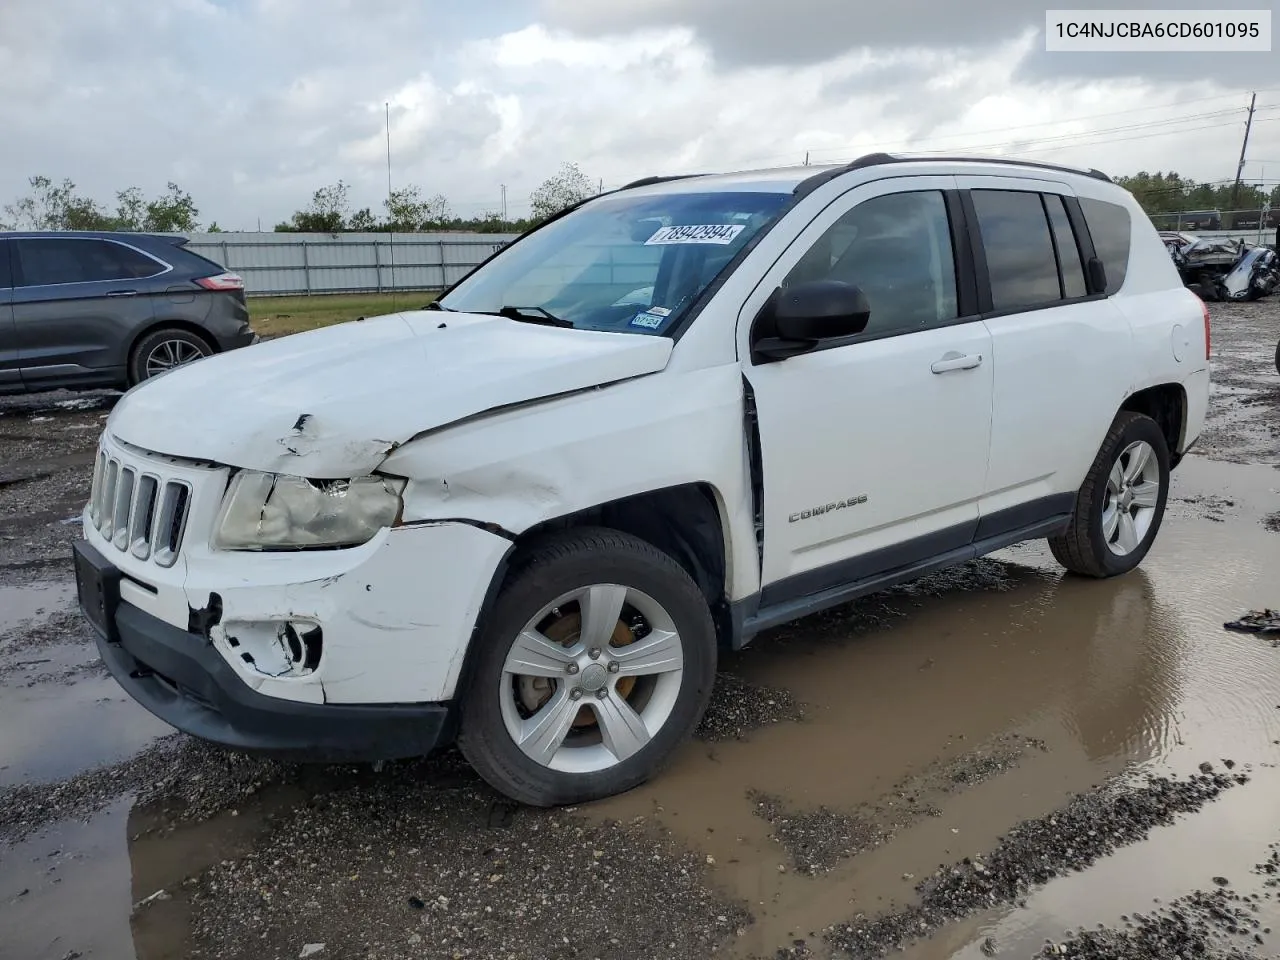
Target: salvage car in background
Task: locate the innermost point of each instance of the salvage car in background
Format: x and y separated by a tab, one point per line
87	310
1223	268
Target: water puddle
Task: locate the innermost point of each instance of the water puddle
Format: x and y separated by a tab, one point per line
19	603
1108	675
934	720
60	712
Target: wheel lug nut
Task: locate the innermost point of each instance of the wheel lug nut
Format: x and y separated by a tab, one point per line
572	668
613	666
602	692
575	693
594	653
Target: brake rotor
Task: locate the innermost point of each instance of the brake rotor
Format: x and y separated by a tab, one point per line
534	692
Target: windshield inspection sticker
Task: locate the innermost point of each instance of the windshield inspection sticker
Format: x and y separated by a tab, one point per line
650	319
721	233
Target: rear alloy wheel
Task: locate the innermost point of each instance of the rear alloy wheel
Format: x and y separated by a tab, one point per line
1121	503
597	661
163	350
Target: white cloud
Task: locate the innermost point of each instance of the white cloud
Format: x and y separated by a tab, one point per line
253	104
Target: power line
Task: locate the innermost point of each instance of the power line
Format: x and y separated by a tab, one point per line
1065	120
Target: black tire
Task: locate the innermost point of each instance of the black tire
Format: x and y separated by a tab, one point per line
1083	548
143	349
557	565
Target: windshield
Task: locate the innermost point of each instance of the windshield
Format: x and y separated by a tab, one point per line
622	263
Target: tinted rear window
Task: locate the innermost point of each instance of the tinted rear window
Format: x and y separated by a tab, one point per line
1064	239
1110	228
1020	260
5	279
59	260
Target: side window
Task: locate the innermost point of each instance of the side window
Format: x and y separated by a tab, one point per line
6	280
1019	249
57	260
897	248
1110	228
1064	241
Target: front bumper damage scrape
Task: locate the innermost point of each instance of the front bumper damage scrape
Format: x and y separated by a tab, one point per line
179	676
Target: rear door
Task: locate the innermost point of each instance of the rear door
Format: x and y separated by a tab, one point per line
78	303
1061	351
10	375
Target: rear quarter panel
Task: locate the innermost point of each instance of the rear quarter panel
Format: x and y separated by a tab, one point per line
1166	318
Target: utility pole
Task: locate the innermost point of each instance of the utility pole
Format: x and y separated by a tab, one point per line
504	202
806	158
1235	187
390	211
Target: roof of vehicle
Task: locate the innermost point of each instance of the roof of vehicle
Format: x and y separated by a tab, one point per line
123	236
804	178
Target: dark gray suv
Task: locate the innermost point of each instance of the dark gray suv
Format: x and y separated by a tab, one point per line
80	310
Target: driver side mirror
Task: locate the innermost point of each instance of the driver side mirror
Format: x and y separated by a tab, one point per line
796	319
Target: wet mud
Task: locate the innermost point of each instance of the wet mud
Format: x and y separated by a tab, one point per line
995	761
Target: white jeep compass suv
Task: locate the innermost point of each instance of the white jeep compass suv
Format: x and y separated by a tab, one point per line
678	414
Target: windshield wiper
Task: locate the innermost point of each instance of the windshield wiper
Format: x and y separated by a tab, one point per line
534	315
435	305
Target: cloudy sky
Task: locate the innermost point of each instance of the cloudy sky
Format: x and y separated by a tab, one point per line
252	104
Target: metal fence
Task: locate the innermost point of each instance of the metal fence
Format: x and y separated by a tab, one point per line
305	263
1236	221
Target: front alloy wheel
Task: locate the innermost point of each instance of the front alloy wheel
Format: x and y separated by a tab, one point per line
591	677
596	661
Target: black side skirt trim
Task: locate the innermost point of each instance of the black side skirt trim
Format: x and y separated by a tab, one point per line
753	616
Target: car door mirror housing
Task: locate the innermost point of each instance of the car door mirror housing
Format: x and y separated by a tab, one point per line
797	318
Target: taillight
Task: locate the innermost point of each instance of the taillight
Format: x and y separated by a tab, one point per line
1205	307
223	281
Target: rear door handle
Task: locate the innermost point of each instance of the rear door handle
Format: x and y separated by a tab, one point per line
122	293
951	360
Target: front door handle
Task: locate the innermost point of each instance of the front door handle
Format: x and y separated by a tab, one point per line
951	360
122	293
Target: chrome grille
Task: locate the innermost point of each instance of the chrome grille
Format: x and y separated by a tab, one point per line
139	511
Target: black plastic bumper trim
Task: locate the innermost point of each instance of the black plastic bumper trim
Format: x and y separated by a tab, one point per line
183	680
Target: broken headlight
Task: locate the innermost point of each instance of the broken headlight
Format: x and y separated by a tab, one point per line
264	511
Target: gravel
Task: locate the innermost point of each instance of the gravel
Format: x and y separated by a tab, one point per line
1089	827
738	706
436	874
816	840
1201	924
177	772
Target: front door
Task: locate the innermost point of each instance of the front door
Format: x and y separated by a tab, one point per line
874	448
78	303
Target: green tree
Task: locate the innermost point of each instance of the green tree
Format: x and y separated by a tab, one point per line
130	209
408	211
55	206
172	212
327	212
363	221
569	186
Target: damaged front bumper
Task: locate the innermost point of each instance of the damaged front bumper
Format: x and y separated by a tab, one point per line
183	680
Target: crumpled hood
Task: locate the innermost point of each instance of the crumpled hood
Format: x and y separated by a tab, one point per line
333	402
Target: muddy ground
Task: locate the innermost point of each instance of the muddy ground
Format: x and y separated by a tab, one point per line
995	761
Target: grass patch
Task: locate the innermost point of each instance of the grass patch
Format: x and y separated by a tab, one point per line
277	316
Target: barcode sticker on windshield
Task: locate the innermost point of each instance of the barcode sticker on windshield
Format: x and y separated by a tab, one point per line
721	233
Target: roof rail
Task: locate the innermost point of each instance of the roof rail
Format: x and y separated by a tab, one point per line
650	181
877	159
